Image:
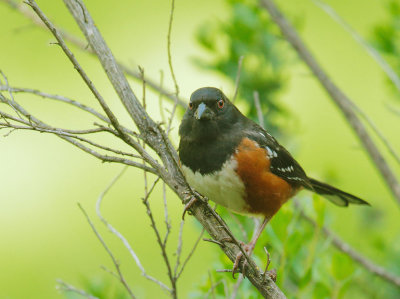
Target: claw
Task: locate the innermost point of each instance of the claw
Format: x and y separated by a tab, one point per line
188	206
247	248
271	274
191	198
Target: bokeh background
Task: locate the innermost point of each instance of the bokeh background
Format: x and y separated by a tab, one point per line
44	236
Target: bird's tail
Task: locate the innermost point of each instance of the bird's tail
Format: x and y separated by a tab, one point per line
338	197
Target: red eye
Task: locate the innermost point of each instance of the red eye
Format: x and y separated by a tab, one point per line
221	104
190	105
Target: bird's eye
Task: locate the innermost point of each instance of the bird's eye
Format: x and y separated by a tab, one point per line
221	104
190	105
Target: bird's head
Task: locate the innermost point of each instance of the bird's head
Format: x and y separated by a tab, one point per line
209	114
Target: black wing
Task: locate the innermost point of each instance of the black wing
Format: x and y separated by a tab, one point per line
282	162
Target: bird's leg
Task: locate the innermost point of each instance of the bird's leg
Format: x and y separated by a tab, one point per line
249	247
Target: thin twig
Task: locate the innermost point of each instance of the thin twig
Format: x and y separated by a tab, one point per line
8	88
352	253
114	260
166	217
120	236
157	139
386	142
65	100
340	99
171	68
370	49
191	253
160	99
37	125
66	287
237	80
178	252
80	44
159	240
125	137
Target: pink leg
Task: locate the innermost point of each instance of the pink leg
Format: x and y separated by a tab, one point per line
250	247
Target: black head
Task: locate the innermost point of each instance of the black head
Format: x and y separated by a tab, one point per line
209	114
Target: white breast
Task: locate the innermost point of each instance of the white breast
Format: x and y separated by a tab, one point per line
223	187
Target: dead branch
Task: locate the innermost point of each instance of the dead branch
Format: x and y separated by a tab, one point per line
154	137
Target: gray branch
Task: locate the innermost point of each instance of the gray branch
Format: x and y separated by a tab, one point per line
339	98
155	138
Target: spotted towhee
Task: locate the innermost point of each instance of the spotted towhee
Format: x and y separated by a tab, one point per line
237	164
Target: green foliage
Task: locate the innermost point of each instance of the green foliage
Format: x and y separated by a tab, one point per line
249	33
386	35
306	265
102	288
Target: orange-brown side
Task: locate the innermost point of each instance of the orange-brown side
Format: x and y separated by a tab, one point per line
265	192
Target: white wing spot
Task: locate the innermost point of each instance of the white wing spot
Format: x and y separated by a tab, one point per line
270	154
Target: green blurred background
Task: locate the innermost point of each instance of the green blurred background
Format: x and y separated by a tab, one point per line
44	236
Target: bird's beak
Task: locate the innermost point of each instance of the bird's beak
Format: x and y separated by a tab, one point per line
203	112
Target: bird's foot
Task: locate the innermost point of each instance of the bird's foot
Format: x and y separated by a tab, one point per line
248	248
191	197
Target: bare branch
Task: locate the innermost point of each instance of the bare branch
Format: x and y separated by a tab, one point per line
352	253
65	100
159	240
171	68
37	125
179	248
121	237
84	47
114	260
156	138
125	137
377	132
370	50
166	217
7	86
57	98
340	99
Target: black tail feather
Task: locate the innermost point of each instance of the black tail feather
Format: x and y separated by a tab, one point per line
336	196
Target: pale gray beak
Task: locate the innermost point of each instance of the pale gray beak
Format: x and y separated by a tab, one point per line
200	110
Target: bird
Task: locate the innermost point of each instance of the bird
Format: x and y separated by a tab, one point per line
235	163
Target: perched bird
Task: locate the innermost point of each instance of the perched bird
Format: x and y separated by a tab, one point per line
237	164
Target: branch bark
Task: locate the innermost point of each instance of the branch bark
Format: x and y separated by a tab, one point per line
156	138
339	97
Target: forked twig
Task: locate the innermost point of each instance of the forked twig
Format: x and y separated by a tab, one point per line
121	237
114	260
